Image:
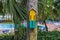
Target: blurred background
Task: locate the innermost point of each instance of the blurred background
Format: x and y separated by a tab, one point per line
13	19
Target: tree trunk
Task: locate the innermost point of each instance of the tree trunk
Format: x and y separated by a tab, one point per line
46	26
32	33
43	16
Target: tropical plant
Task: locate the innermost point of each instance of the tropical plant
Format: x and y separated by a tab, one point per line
1	7
57	8
48	10
18	9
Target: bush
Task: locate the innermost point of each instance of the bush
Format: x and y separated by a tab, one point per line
55	35
7	37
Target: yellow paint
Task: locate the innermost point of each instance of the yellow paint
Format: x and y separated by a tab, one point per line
32	15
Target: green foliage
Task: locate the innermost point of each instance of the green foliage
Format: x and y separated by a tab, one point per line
20	34
47	7
21	8
19	11
7	37
41	36
57	7
49	35
1	7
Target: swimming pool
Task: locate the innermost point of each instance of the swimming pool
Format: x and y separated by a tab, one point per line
7	26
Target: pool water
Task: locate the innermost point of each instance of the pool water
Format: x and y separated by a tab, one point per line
10	25
6	26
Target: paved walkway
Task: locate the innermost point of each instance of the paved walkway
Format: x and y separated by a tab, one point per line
52	27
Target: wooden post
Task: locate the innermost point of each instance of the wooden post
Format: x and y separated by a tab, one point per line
32	31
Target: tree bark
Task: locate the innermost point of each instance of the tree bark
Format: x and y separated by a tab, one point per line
32	33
